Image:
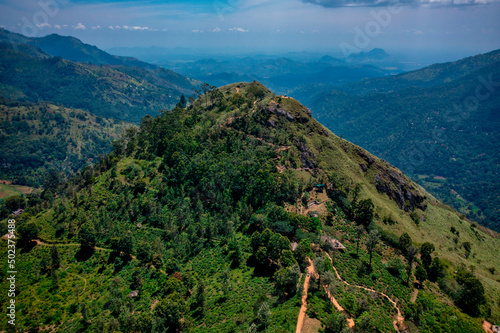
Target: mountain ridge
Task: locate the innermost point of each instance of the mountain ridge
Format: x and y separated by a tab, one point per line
197	209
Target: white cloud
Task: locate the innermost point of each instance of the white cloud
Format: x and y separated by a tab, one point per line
97	27
79	26
197	30
57	26
165	29
43	25
217	29
238	29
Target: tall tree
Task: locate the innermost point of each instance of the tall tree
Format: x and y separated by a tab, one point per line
359	232
411	255
371	243
425	254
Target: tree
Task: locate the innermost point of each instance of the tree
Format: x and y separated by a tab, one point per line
472	295
436	270
200	297
287	259
404	242
87	236
55	257
359	232
425	254
182	102
14	202
303	251
411	255
264	315
335	322
363	212
226	283
28	231
420	274
287	280
372	242
468	247
168	313
126	243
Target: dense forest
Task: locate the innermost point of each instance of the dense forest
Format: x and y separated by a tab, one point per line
207	217
39	138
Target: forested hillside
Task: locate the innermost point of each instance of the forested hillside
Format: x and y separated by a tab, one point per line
207	218
439	124
38	138
113	91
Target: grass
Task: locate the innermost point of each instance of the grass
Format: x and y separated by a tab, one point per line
8	190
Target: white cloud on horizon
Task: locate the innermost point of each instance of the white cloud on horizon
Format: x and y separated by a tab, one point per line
79	26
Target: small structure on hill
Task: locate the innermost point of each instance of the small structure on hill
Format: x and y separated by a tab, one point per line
18	212
495	328
294	245
314	214
333	243
133	294
312	203
319	187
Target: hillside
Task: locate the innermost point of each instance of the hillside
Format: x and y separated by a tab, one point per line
188	226
430	124
71	48
40	137
113	91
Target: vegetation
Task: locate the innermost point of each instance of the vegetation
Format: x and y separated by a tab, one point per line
120	92
188	225
438	124
41	137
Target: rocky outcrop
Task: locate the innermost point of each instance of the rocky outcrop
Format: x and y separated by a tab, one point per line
399	189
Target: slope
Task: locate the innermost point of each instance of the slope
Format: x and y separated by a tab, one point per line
188	223
445	136
71	48
38	137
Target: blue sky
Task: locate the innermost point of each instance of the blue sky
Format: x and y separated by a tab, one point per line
458	27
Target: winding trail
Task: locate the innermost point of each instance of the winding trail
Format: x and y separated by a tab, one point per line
399	322
303	307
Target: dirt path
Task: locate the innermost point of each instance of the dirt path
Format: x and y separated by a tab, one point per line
303	308
487	327
414	295
399	322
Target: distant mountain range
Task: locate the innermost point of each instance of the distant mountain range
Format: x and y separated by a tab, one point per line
38	69
282	74
440	124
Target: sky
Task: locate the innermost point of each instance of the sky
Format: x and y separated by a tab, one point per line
451	28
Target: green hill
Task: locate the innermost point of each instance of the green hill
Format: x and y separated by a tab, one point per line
113	91
39	137
187	226
430	124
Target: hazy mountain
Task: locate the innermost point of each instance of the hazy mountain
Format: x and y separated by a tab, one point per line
439	124
72	48
121	92
188	225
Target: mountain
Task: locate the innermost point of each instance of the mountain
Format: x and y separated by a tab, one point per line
42	137
124	89
120	92
189	225
371	57
281	74
439	124
71	48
